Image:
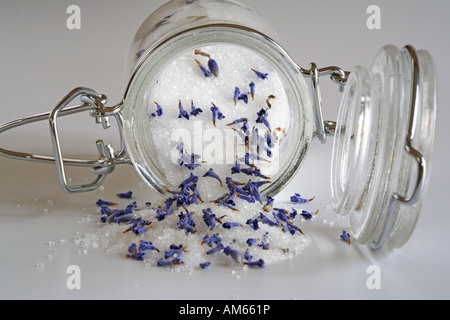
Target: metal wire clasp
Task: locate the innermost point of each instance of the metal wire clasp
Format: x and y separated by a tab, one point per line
337	75
105	164
108	159
398	199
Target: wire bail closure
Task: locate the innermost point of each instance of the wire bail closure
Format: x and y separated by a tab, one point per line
107	161
94	103
418	190
338	76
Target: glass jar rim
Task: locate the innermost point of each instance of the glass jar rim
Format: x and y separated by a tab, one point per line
153	59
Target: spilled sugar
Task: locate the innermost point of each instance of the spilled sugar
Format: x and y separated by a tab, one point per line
281	245
182	81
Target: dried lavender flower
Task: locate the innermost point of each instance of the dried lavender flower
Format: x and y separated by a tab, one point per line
237	121
345	236
212	64
195	111
213	67
253	223
159	110
252	89
255	264
243	97
260	75
233	254
183	113
214	239
262	118
205	71
296	198
229	225
212	174
237	93
126	195
101	202
205	265
138	226
216	114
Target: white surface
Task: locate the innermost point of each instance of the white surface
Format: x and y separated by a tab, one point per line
40	61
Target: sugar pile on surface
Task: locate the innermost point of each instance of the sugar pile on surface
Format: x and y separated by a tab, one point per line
254	231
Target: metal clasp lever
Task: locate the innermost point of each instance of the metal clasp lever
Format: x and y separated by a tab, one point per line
95	104
108	159
338	76
418	191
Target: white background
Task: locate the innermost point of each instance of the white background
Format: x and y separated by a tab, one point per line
41	60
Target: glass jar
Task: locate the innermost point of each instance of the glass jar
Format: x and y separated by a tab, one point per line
383	137
181	26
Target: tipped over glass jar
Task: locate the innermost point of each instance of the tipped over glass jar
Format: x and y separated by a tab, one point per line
210	86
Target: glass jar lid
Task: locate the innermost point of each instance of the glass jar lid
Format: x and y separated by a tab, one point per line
383	145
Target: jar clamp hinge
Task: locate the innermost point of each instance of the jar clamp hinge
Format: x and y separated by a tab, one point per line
337	75
95	104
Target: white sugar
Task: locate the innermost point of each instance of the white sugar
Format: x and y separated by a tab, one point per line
282	245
